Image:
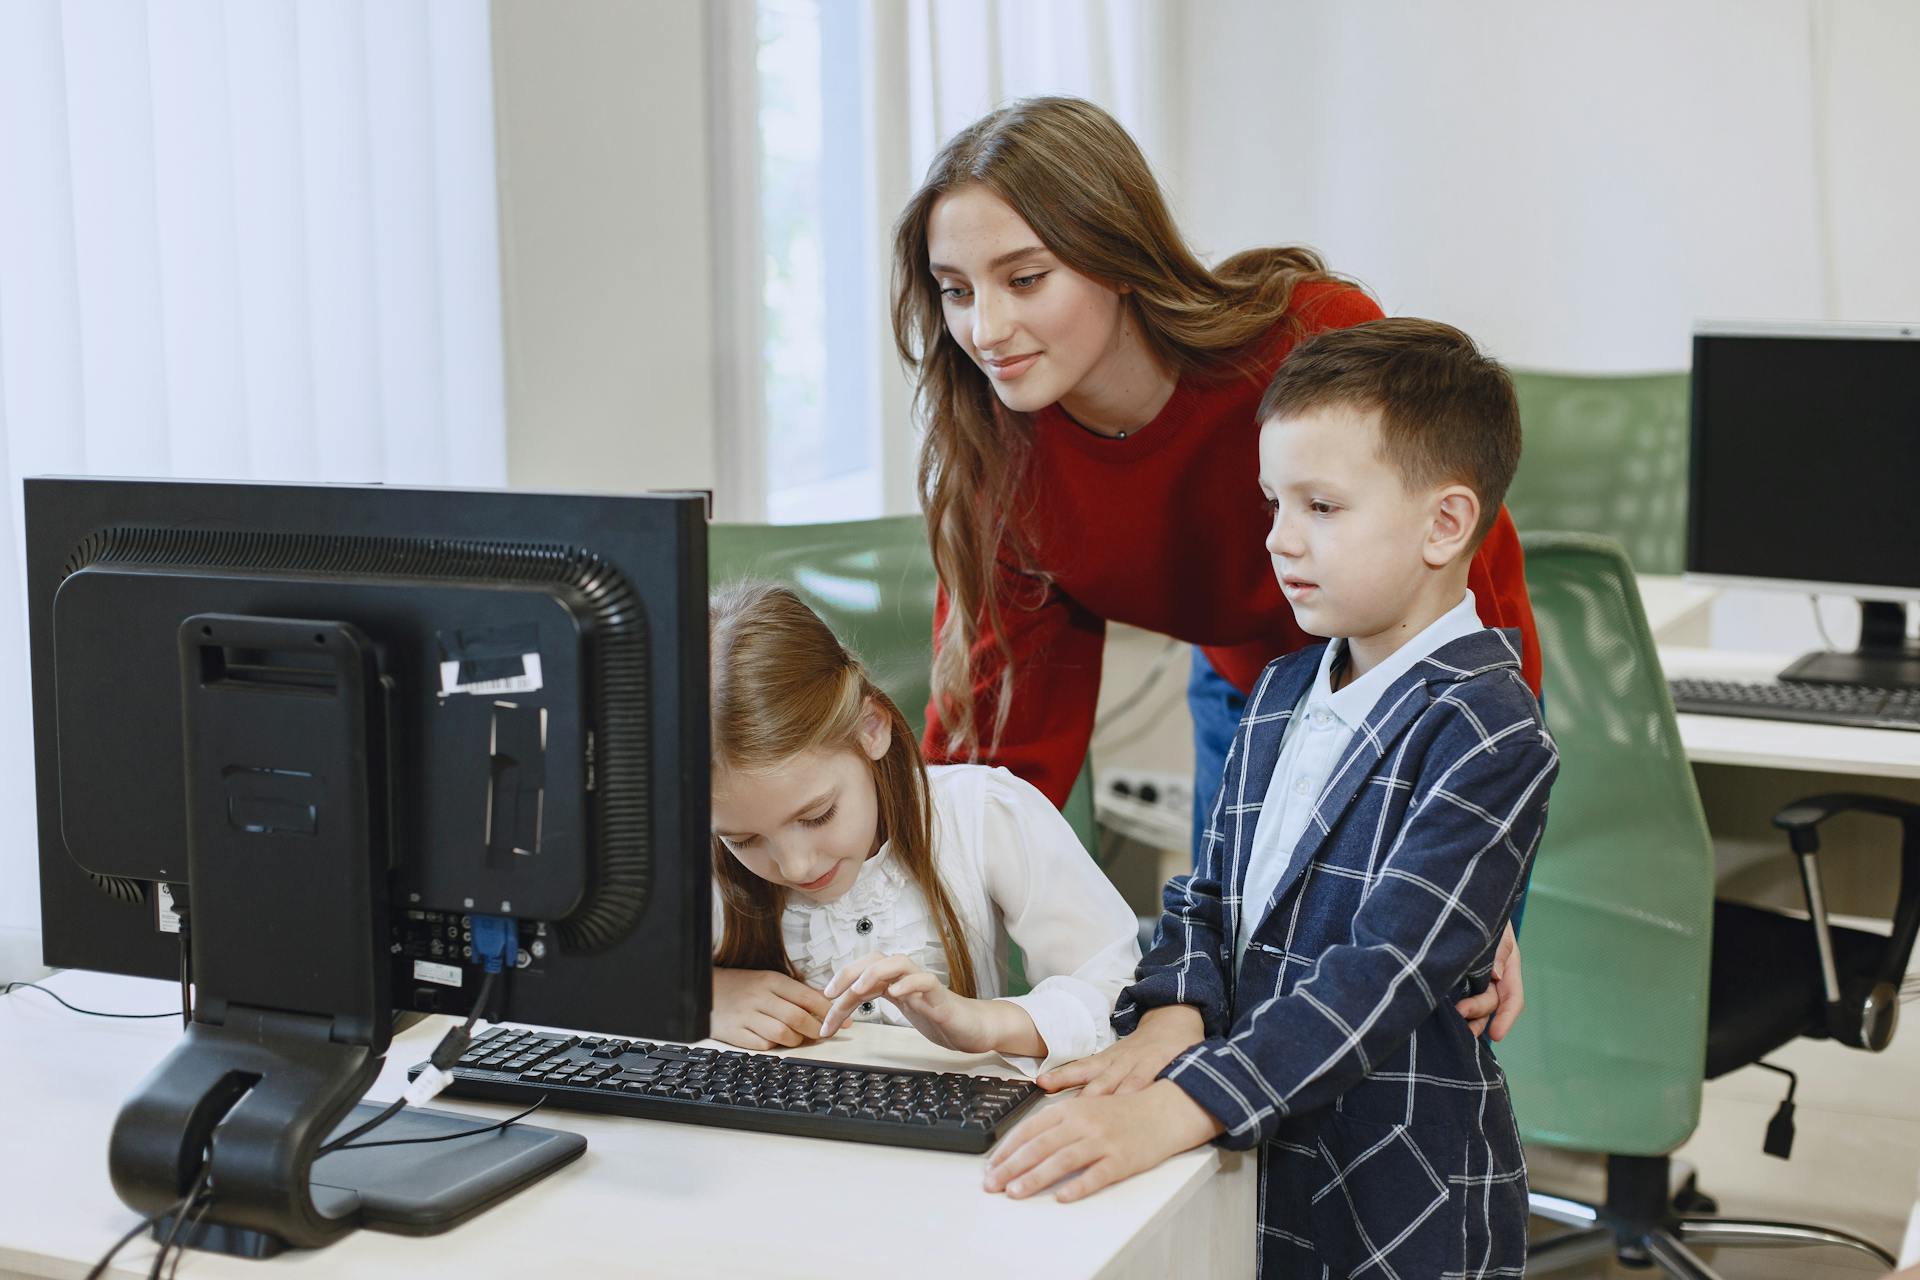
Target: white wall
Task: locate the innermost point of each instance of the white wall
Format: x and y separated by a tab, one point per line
1573	184
606	256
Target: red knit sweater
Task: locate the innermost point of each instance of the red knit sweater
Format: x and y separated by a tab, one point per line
1164	530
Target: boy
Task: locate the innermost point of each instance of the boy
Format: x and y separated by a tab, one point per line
1379	811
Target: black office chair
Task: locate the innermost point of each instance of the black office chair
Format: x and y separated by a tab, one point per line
1777	977
1774	978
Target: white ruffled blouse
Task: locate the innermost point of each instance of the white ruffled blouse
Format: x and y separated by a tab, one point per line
1015	872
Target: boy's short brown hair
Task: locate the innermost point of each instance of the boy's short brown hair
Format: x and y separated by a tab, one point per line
1447	412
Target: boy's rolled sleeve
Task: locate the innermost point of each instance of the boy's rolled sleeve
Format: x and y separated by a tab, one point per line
1435	908
1184	966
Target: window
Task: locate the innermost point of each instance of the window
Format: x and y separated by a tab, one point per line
822	454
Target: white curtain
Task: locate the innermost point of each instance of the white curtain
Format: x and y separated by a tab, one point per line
246	239
965	57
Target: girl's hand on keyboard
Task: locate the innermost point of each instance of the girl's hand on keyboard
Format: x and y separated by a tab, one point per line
760	1010
950	1021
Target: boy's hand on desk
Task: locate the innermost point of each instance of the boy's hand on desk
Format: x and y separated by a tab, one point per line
1095	1142
759	1009
1133	1062
950	1021
1504	997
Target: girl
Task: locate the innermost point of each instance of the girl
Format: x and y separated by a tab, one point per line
1088	389
855	883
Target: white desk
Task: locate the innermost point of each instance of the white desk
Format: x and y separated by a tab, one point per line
1782	744
647	1198
1747	768
1678	613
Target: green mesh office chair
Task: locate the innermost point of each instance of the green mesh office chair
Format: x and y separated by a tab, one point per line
872	580
1620	949
1608	455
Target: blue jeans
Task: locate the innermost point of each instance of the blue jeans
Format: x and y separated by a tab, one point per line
1216	707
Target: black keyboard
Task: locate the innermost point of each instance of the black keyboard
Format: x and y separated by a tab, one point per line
944	1111
1854	705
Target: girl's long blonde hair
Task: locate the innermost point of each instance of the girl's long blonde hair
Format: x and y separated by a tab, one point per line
1078	179
782	683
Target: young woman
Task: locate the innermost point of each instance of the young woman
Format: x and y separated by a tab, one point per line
1088	388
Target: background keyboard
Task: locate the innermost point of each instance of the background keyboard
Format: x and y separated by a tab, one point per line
804	1097
1853	705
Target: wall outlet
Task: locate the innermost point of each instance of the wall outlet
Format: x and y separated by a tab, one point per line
1148	787
1152	807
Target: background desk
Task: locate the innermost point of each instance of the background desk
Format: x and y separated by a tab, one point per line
1859	1114
647	1199
1782	744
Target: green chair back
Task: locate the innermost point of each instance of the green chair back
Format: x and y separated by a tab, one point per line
1607	455
873	582
1611	1051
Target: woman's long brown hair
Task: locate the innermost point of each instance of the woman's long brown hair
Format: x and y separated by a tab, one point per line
782	683
1079	180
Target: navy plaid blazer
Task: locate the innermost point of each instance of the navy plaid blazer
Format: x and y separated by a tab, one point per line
1387	1140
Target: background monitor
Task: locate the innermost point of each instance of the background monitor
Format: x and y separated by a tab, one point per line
1804	474
317	730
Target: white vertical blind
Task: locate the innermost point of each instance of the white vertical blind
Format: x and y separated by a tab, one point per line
239	239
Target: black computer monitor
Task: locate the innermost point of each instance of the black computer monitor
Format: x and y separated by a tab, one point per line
1805	475
319	730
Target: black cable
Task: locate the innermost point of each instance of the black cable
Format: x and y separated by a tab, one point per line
479	1005
1793	1081
178	1207
193	1225
186	979
179	1214
444	1055
92	1013
100	1267
448	1137
392	1110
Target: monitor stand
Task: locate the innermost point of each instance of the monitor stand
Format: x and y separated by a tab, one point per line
1885	659
287	778
433	1184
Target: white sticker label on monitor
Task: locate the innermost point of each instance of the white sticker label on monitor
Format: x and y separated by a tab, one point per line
526	682
167	918
447	975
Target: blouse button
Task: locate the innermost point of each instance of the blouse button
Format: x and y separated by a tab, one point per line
866	1006
865	925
